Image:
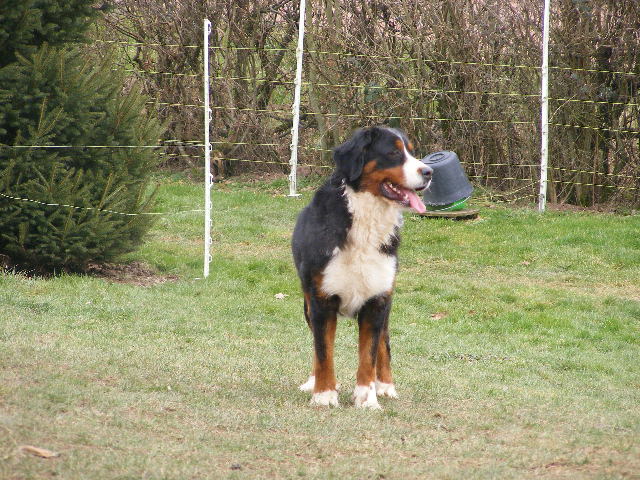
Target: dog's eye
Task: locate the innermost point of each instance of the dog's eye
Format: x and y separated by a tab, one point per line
395	154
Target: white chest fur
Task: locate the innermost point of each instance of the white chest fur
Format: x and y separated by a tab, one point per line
360	270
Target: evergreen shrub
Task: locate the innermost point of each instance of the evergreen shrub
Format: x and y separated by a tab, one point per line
57	97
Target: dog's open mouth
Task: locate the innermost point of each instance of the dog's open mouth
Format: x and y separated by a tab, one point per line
404	196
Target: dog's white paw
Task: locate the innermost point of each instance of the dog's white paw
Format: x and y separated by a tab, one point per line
365	397
309	384
386	390
328	398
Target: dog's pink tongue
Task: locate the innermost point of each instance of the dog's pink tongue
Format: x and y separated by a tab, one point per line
415	202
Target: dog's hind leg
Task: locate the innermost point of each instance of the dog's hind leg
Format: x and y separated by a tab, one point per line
311	381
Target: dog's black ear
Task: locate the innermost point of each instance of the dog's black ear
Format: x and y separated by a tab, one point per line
350	156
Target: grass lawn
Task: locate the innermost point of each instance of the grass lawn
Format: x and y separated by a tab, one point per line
516	354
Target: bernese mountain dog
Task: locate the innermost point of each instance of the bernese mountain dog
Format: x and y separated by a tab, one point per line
345	246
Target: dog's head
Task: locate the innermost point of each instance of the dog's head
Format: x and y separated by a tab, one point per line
380	160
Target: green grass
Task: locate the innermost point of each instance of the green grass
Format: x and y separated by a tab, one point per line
530	369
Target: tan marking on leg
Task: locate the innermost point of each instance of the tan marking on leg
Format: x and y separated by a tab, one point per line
317	283
324	369
307	302
364	395
384	380
383	363
366	367
308	385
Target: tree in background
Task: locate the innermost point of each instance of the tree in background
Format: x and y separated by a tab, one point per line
456	74
52	96
27	24
252	69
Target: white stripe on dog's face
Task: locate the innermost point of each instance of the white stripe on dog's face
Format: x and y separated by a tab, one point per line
412	170
411	167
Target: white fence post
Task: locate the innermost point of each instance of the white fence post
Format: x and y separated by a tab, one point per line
296	105
544	112
208	178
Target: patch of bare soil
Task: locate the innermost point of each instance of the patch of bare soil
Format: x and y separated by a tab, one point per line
135	273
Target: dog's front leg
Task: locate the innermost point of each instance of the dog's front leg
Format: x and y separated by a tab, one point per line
323	321
371	321
384	380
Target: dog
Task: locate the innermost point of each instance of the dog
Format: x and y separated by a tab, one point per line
345	249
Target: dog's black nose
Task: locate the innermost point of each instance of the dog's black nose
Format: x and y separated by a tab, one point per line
426	171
